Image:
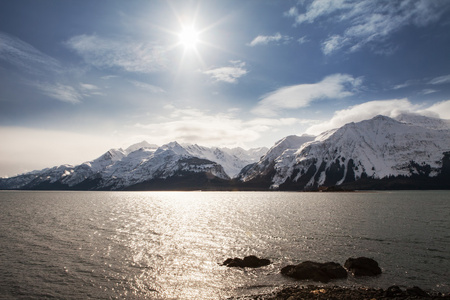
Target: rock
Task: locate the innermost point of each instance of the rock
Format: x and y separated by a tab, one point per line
340	293
248	262
362	266
416	291
323	272
393	291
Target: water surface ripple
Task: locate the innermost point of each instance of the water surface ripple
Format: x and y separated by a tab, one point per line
169	245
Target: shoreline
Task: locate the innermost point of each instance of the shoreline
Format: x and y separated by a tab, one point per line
344	293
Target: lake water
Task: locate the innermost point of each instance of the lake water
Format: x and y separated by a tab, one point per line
169	245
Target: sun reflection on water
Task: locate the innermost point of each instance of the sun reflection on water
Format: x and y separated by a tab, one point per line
171	245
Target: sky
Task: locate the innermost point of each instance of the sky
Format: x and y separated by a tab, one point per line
80	77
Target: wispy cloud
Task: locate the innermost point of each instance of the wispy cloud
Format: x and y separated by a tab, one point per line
187	125
445	79
131	56
228	74
364	111
26	57
49	70
296	96
368	21
406	84
266	39
302	40
440	80
148	87
60	92
89	90
89	87
428	91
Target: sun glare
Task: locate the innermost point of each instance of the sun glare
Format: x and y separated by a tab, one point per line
188	37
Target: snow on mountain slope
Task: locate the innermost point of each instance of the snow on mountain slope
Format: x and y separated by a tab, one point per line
286	146
146	164
375	148
118	169
423	121
232	160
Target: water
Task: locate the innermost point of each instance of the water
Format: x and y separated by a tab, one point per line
169	245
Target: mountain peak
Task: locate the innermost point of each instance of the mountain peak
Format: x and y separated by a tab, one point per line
377	148
423	121
137	146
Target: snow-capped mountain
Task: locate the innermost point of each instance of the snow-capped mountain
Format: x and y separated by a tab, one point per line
423	121
232	160
143	162
283	148
378	148
410	151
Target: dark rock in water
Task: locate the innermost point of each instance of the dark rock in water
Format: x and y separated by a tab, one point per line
393	291
323	272
362	266
248	262
416	291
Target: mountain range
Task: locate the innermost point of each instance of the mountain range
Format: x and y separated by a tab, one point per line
408	152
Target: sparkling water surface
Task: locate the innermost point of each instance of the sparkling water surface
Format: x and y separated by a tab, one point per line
170	245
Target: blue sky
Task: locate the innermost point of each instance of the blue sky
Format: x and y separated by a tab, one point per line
80	77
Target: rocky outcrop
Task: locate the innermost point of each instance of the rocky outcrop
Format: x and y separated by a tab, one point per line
362	266
323	272
248	262
346	293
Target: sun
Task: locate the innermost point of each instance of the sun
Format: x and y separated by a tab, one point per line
189	37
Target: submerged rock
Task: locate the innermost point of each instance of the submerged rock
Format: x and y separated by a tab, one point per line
323	272
248	262
362	266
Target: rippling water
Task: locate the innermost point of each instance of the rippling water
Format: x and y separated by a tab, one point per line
169	245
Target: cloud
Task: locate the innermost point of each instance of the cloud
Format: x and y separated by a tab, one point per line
192	125
367	21
197	126
302	40
296	96
60	92
89	90
333	43
316	9
228	74
428	91
148	87
266	39
25	56
390	108
440	80
442	109
130	56
89	87
406	84
435	81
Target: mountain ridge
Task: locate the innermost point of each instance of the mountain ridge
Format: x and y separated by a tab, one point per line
377	148
119	169
378	153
